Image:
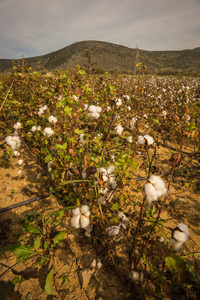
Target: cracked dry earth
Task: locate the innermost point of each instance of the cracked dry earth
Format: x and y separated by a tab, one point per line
75	256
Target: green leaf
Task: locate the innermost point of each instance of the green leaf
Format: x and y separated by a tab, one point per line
115	206
78	131
37	243
30	228
59	237
46	245
48	283
43	261
68	110
48	158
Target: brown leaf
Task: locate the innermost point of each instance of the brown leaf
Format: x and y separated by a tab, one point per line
27	273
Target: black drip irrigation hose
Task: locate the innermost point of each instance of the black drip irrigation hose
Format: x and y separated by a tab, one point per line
48	195
24	203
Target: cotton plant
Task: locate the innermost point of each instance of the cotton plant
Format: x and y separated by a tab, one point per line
80	218
154	189
94	111
179	236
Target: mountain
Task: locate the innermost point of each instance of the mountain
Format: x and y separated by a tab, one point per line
109	56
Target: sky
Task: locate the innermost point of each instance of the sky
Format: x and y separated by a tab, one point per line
37	27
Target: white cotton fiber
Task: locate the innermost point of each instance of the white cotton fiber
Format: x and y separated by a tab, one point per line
159	185
150	192
75	221
84	209
149	139
84	221
76	211
140	140
119	129
184	228
110	170
113	230
180	235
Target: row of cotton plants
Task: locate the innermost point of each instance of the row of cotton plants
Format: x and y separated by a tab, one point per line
89	134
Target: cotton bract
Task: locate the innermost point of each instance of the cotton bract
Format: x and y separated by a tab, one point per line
80	217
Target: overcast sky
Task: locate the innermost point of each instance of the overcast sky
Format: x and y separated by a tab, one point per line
37	27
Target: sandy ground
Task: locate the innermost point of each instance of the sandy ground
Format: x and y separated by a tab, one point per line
76	253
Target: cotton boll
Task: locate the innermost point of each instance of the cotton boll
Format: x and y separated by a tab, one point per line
110	170
85	106
180	235
48	131
129	139
119	129
150	192
75	221
92	109
103	171
104	177
113	230
84	209
98	109
132	122
118	102
123	217
33	128
20	162
141	140
17	126
75	98
88	230
16	153
159	185
76	211
136	276
84	221
53	119
149	139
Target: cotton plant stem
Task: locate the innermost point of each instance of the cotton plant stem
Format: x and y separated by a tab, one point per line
6	95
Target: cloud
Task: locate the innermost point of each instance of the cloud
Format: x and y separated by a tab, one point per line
38	27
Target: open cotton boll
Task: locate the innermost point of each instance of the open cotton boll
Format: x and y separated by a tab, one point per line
75	221
84	221
84	209
110	170
159	185
136	276
48	131
103	171
132	122
92	109
98	109
17	126
113	230
53	119
16	153
119	129
88	230
129	139
20	162
75	98
179	236
118	102
141	140
149	139
150	192
33	128
76	211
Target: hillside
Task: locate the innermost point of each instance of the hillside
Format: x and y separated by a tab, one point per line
110	56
